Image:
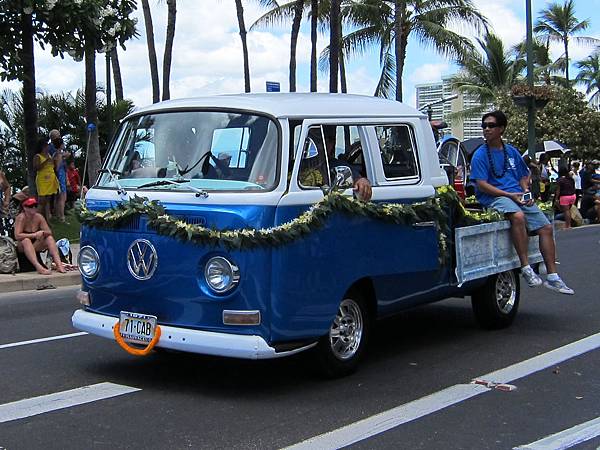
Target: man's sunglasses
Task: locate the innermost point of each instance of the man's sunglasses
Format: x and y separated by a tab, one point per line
489	125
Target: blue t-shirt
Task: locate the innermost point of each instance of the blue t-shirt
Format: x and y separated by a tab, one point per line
481	170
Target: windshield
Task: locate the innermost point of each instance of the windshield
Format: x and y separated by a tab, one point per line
206	150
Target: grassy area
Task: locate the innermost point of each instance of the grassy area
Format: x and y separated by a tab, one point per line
69	229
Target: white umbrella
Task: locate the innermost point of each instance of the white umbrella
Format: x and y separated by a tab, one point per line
551	148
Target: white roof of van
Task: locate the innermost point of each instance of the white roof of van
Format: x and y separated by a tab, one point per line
294	105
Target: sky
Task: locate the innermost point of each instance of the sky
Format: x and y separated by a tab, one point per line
207	55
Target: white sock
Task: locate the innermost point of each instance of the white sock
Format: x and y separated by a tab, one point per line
524	268
552	277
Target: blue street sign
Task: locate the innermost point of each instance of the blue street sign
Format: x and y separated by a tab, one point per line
273	86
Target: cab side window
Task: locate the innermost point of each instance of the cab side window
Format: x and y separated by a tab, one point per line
314	167
398	151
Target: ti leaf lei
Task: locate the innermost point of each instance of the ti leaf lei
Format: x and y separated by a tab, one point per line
437	209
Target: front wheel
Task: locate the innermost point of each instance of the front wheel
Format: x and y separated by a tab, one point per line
340	351
495	304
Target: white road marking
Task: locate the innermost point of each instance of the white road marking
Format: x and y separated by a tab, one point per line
379	423
60	400
566	438
37	341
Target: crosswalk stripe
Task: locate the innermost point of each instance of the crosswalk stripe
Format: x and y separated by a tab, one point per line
566	438
46	339
60	400
379	423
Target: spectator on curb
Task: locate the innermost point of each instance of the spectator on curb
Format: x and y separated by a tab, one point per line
4	195
46	182
577	178
74	182
58	152
565	197
33	235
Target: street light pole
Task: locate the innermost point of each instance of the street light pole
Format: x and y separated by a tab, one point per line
531	98
108	100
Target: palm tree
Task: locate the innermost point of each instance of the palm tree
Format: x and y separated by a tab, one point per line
171	15
334	43
389	24
589	74
116	67
298	11
151	51
13	156
314	18
485	75
558	23
29	104
544	69
318	12
242	27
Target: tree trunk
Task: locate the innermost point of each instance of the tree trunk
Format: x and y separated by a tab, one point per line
399	45
114	59
30	113
151	51
242	26
172	13
314	17
566	44
343	81
298	10
91	114
334	45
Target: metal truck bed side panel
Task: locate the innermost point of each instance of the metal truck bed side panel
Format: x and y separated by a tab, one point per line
486	249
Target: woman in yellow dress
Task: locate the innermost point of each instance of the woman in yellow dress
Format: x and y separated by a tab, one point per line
45	178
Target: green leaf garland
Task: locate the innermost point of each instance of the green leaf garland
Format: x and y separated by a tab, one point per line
436	210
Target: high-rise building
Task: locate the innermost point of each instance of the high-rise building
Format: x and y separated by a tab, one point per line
436	92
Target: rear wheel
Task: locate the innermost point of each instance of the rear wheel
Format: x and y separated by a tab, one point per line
496	303
340	351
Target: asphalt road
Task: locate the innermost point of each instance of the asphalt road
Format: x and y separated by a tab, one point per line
189	401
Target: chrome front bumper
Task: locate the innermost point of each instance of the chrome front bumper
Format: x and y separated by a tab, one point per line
186	340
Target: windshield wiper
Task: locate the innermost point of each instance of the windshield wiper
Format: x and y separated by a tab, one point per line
187	170
113	177
176	182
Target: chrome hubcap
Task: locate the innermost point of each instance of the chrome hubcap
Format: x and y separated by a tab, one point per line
346	331
506	291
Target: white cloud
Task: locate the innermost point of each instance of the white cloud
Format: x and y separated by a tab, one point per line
207	56
428	73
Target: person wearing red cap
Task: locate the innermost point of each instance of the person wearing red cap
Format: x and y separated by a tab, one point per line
33	235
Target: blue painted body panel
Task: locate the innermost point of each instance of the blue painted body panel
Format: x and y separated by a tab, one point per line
177	293
297	287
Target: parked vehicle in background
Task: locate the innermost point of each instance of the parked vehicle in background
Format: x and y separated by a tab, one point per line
453	158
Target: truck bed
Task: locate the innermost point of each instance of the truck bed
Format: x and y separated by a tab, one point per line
486	249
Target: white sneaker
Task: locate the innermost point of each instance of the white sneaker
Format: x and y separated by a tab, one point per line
531	277
559	286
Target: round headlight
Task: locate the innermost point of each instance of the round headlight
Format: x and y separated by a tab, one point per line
88	261
221	274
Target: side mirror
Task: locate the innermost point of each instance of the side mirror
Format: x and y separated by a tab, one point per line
310	149
341	177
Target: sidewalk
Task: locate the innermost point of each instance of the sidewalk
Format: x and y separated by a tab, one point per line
33	281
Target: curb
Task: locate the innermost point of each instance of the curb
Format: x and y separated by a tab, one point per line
33	281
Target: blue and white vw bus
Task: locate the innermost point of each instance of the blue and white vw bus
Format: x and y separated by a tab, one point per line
158	271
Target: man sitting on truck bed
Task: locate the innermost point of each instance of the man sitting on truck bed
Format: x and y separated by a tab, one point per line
502	180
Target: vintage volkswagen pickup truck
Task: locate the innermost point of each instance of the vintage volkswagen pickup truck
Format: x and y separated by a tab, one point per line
210	230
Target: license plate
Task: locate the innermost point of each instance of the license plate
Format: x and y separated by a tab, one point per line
137	328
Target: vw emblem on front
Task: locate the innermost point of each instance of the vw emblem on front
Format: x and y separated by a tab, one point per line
142	259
